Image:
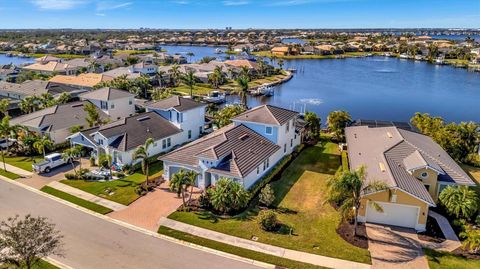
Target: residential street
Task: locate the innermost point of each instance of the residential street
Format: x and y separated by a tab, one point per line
91	242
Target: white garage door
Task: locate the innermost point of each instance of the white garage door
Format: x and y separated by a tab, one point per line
393	214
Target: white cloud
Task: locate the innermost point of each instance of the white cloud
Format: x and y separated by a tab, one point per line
181	2
235	3
101	14
58	4
109	5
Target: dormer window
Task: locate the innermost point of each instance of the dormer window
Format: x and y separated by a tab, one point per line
268	130
424	174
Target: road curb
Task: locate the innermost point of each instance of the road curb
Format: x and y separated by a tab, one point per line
137	229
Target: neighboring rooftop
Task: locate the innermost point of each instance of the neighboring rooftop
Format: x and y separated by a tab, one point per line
135	130
176	102
106	94
82	80
267	114
57	117
380	123
49	67
239	148
390	152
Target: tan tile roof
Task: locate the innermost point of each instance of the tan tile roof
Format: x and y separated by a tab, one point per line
267	114
241	63
84	80
49	67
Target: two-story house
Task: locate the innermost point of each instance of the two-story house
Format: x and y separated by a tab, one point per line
188	115
244	150
115	103
413	167
120	138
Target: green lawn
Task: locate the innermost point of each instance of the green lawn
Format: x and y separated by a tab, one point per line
22	162
246	253
78	201
443	260
123	189
300	195
8	174
42	264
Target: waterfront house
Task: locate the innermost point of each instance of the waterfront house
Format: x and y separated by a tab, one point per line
52	67
84	81
56	121
244	150
413	167
284	51
18	91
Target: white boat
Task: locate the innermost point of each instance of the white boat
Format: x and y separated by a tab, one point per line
218	51
403	56
215	97
267	91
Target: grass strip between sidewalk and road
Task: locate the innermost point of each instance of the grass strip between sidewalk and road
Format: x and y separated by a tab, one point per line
246	253
78	201
9	174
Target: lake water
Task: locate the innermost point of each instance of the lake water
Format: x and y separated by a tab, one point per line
378	88
15	60
198	51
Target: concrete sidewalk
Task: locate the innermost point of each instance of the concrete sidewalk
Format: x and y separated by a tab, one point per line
86	196
451	240
16	170
264	248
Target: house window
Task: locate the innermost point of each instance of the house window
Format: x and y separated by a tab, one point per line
103	105
427	187
268	130
155	144
169	142
200	130
189	134
112	106
130	102
424	175
287	129
291	142
284	148
268	163
258	170
164	143
263	166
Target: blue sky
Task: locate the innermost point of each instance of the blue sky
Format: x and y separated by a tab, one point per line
197	14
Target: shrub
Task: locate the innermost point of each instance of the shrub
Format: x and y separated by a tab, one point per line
477	220
473	159
119	174
267	195
204	199
228	196
462	201
142	189
267	220
127	169
70	176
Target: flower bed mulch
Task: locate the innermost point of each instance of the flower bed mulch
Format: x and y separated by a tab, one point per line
345	230
433	232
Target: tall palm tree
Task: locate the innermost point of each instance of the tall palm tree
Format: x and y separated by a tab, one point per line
347	188
432	52
192	177
460	201
190	80
106	160
42	144
245	72
174	74
4	104
243	84
280	63
190	55
141	153
63	98
70	154
6	131
46	100
178	184
28	104
160	76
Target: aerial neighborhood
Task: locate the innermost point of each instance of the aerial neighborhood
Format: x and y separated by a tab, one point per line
195	135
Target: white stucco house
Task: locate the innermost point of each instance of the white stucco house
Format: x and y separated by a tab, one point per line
170	122
244	150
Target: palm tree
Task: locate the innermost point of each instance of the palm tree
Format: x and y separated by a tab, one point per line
245	72
432	52
471	239
190	55
217	77
105	160
63	98
192	177
243	84
174	74
460	201
69	155
178	184
141	153
160	76
347	188
43	144
6	131
28	104
46	100
280	63
190	80
4	104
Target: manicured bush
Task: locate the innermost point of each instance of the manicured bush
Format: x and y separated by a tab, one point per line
142	189
119	174
267	220
228	196
267	195
92	161
70	176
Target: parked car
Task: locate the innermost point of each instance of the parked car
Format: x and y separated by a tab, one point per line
50	162
3	142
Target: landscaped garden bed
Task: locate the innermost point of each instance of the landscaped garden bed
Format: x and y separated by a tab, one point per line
299	204
433	233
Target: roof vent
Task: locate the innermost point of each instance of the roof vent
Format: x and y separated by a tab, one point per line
389	135
244	137
143	118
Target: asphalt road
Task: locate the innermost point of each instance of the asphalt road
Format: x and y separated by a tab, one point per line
91	242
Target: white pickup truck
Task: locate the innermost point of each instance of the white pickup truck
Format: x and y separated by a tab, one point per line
51	161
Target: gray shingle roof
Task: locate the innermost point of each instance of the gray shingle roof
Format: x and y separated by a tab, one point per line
57	117
178	103
389	152
240	149
135	130
106	94
267	114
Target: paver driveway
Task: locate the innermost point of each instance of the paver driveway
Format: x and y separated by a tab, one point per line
394	248
147	211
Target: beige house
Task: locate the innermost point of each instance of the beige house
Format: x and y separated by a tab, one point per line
412	165
84	81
